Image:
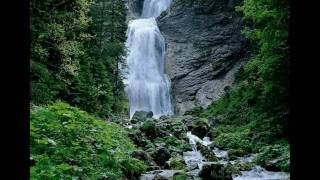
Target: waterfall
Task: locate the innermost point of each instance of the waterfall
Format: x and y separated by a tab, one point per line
147	86
153	8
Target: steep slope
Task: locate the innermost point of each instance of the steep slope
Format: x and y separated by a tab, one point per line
204	50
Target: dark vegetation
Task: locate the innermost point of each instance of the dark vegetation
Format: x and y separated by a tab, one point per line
76	46
254	115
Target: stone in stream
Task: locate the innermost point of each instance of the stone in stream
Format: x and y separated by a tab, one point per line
176	163
217	171
160	175
272	165
207	153
235	153
200	127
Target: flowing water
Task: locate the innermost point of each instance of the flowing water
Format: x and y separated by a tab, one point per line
195	161
147	86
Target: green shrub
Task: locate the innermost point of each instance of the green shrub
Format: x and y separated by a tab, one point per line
278	151
180	176
176	164
234	153
149	128
67	143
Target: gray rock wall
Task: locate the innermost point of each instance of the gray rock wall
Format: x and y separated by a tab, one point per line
204	50
135	8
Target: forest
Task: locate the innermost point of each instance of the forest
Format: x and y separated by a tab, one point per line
80	126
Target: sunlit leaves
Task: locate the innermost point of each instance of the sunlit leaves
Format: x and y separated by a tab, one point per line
68	143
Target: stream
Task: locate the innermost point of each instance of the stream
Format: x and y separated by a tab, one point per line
195	161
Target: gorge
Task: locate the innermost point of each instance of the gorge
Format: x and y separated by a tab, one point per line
159	89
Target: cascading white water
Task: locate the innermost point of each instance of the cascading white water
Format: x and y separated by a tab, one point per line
153	8
147	86
194	157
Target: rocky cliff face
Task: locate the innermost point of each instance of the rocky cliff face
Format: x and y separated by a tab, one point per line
135	8
204	50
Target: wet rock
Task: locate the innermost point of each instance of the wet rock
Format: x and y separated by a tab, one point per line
200	127
176	163
153	168
233	169
161	155
207	153
272	165
173	126
159	175
188	120
215	171
235	153
141	116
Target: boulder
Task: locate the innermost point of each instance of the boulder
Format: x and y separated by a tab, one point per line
235	153
200	127
173	126
272	165
207	153
161	155
140	116
145	157
137	138
176	163
215	171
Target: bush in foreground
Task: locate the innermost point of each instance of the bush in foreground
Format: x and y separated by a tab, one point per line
67	143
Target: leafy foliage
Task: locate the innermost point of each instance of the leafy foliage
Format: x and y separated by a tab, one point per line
255	113
67	143
76	47
279	152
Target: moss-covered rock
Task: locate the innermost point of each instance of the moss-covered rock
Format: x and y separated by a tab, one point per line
145	157
174	126
207	153
141	116
215	171
200	127
180	176
176	163
138	138
235	153
161	155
